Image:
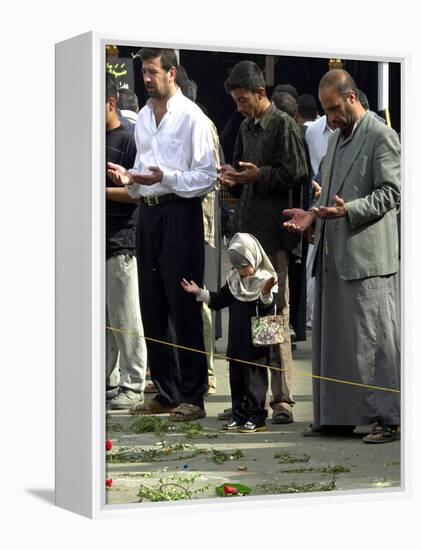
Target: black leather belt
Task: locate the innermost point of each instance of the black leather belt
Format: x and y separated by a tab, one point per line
160	199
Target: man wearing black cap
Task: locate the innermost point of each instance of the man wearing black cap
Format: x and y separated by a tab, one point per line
268	162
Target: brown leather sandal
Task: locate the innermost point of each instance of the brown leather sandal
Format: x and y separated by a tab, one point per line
382	434
153	407
282	416
185	412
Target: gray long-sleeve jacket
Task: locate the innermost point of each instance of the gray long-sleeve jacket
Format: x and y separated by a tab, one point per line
368	180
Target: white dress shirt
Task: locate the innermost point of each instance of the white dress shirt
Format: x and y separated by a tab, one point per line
181	146
317	135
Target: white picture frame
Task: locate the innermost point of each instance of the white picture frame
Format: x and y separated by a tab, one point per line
80	273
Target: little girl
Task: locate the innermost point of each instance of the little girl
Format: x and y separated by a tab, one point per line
250	283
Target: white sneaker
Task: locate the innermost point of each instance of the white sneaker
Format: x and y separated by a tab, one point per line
125	399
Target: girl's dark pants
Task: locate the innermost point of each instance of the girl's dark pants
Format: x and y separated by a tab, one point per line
249	385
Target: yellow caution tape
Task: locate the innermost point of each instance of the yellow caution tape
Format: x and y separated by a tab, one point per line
226	358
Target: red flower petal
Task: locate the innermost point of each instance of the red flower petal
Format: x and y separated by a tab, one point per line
109	483
108	445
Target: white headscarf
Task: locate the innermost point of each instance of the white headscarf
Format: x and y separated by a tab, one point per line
247	289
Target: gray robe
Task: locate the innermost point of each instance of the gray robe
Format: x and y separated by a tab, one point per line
356	325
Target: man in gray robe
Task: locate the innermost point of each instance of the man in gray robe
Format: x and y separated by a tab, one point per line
356	322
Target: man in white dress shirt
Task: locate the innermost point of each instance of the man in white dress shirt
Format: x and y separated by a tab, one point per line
174	167
317	137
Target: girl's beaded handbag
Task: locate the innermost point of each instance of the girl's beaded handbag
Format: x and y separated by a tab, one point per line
267	331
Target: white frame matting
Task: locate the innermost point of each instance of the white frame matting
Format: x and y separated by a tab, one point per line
80	278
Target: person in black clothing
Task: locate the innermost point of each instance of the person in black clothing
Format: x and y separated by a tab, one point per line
126	355
249	287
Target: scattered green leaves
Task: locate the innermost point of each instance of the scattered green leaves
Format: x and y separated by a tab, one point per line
159	427
174	487
139	454
148	424
219	457
334	469
192	430
288	458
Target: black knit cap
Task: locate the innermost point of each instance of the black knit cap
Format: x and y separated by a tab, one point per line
245	74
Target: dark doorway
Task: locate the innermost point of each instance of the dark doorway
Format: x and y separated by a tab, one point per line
210	69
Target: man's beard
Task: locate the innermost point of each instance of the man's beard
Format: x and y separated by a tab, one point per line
153	93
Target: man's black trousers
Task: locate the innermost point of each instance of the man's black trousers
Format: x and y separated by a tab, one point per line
170	247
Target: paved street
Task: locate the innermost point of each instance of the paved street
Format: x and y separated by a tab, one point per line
370	466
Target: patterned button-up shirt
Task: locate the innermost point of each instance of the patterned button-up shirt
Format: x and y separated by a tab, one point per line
274	144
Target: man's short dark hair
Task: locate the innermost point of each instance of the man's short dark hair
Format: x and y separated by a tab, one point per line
286	88
307	106
110	86
285	102
168	57
127	100
340	80
245	74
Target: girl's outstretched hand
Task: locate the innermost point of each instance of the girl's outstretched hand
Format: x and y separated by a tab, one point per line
190	287
268	284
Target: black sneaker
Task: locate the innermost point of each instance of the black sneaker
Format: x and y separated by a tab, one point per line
251	427
231	426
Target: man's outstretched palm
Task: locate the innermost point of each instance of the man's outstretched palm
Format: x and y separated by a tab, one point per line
118	174
300	220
